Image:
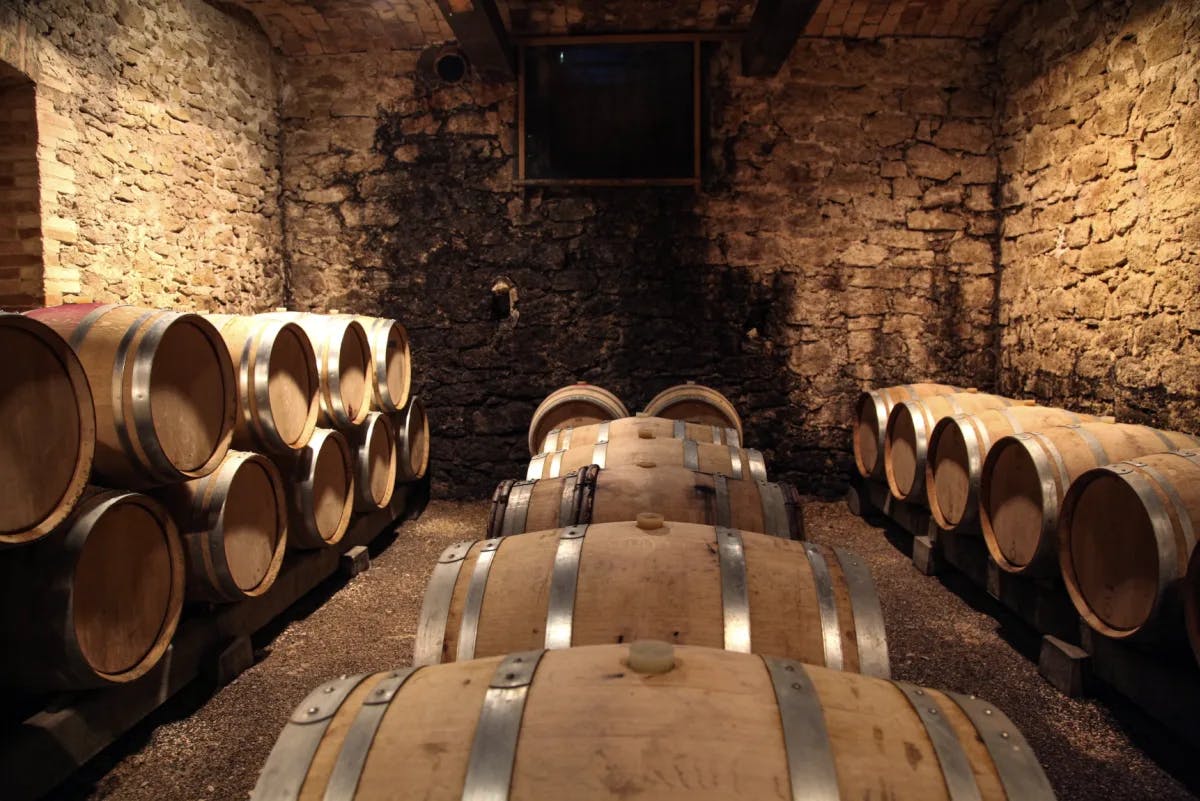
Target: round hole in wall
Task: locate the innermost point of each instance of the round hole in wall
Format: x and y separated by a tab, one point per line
451	66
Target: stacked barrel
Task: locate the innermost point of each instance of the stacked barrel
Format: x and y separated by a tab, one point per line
641	595
1111	509
151	458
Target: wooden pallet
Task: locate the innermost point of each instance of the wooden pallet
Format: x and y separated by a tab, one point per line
41	751
1073	658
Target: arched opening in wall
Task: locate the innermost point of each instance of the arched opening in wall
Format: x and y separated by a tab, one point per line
20	219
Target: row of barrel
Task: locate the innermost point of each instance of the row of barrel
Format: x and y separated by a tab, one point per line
629	628
1111	508
150	458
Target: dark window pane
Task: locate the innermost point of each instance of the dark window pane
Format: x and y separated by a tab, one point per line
609	111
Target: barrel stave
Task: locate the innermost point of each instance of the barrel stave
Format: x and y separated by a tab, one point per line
652	579
871	412
319	480
96	602
1026	476
147	367
573	405
800	729
694	403
47	430
1125	537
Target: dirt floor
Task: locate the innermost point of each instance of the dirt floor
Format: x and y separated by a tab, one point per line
942	633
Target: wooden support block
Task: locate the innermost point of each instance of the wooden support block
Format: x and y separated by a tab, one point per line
926	556
1064	665
354	561
231	661
994	579
858	501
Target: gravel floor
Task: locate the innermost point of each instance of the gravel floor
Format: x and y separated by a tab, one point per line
941	634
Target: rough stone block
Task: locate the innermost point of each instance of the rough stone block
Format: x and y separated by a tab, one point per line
935	221
927	161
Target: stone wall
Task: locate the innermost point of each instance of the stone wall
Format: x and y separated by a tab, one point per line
158	157
1100	154
844	237
20	227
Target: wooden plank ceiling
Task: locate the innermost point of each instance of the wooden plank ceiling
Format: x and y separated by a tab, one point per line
315	27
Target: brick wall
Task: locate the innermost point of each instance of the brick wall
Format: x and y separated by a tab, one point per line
158	159
20	226
1100	150
844	237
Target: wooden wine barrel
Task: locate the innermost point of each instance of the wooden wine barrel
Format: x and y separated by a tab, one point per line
906	438
47	430
574	405
592	495
1126	534
373	449
650	579
1025	477
647	720
639	427
95	603
958	446
234	526
871	412
163	387
320	490
391	363
412	441
343	363
278	384
693	403
703	457
1191	602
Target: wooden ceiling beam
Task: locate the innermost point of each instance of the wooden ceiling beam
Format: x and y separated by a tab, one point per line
480	32
774	29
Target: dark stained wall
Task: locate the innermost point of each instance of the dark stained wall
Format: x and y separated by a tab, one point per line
843	237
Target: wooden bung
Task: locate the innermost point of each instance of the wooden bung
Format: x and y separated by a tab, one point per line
1125	536
909	426
373	449
592	495
47	430
163	387
959	445
704	457
412	441
343	355
639	427
1025	477
320	490
656	579
234	526
95	603
871	412
573	405
278	384
391	363
647	720
693	403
